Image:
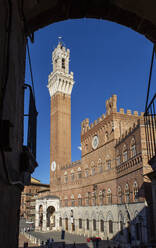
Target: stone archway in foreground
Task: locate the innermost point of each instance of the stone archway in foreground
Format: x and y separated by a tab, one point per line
138	15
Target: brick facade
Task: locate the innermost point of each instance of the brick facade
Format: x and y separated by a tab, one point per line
28	198
106	190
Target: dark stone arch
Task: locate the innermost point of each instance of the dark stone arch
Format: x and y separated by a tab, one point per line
40	215
138	16
50	217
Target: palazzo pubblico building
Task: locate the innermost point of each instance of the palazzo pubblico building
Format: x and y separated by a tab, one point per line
106	193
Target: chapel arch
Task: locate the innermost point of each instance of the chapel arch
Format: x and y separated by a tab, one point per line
50	217
40	216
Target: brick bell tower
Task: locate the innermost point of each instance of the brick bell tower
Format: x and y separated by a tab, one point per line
60	84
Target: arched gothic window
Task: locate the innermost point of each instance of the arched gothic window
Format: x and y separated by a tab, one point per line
100	198
87	199
119	195
109	196
100	165
108	164
125	154
93	171
79	200
79	173
135	191
72	175
86	173
72	201
127	193
133	148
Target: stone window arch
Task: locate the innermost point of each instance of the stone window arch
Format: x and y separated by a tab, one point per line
87	199
109	196
72	200
93	198
99	161
79	173
124	153
127	193
92	168
79	200
40	216
101	198
133	147
119	195
100	165
86	172
108	162
72	175
92	164
93	171
135	191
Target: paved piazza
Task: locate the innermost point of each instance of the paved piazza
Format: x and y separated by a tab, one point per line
70	239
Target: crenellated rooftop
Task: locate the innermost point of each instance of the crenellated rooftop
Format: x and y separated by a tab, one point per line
128	132
111	107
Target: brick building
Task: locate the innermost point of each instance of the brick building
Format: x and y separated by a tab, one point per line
106	193
29	196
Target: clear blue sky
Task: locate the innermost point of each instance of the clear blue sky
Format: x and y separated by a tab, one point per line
106	58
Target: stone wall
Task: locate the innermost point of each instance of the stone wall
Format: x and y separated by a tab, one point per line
12	72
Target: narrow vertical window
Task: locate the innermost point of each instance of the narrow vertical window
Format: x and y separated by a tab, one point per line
87	224
110	226
102	225
80	223
94	225
60	222
63	63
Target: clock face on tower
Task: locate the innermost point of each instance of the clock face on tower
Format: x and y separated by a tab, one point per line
95	142
53	166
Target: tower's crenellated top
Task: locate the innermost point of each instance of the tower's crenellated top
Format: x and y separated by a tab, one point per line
111	105
60	80
60	58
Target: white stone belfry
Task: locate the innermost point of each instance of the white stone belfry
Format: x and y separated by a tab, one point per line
60	80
